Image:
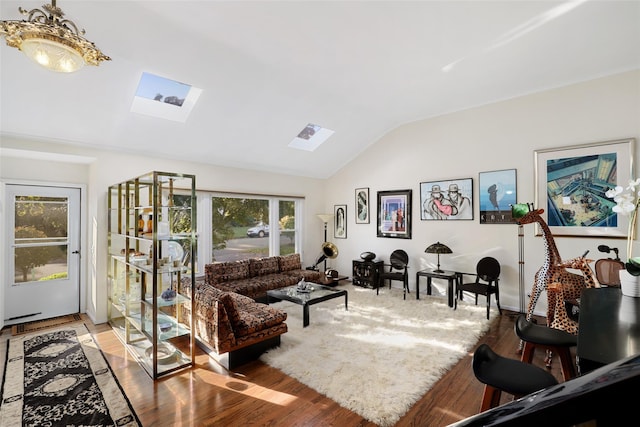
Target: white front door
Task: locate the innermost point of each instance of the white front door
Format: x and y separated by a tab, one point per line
43	229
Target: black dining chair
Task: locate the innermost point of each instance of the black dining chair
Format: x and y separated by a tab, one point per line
554	341
485	283
502	374
397	270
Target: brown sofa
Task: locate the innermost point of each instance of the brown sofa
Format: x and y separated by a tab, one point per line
229	323
233	328
254	277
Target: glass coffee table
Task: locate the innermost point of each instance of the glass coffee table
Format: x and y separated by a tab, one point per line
315	295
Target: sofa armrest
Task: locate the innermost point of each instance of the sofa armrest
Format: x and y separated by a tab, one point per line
212	322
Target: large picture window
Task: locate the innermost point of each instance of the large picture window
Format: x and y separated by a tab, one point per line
245	226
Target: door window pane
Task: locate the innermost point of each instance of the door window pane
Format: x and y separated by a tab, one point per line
40	263
40	238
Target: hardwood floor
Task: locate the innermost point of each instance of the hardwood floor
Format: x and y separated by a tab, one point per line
259	395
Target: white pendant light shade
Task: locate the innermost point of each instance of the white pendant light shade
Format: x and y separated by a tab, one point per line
54	56
51	40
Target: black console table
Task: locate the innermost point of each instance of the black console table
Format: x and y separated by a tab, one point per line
451	276
609	328
367	273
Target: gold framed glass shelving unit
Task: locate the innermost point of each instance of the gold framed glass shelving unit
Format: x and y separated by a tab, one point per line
152	244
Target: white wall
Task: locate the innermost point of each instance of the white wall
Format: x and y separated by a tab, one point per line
460	145
109	168
40	172
112	168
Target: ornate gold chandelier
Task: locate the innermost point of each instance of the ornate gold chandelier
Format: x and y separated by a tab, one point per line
51	41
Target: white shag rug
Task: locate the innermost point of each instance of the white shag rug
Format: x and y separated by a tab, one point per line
383	354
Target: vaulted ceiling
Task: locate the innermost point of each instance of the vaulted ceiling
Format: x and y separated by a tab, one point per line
269	68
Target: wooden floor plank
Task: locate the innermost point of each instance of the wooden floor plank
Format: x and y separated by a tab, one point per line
257	394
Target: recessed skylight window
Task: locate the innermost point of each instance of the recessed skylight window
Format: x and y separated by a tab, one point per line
164	98
310	137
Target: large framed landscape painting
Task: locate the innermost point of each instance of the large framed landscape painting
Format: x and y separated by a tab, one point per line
497	193
442	200
394	214
571	182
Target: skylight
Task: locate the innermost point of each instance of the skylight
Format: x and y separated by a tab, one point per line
310	137
164	98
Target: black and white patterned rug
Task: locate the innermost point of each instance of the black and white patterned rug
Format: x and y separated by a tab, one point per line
60	377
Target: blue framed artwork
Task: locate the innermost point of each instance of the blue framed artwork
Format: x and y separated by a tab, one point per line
497	190
571	183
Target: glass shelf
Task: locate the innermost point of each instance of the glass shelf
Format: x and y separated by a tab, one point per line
159	260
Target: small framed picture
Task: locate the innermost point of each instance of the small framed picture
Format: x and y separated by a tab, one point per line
394	214
497	194
362	205
340	217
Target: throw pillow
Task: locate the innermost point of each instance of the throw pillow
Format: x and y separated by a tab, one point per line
290	262
220	272
262	266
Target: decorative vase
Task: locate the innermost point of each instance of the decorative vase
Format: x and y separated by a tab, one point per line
629	284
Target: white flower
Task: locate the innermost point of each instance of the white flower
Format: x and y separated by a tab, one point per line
627	203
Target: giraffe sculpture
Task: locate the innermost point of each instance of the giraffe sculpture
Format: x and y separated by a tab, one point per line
570	292
552	270
582	263
560	320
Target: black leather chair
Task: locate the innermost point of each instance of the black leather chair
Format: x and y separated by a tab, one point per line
485	283
397	270
549	339
512	376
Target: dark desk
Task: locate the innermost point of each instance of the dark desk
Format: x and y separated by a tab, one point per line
450	276
609	328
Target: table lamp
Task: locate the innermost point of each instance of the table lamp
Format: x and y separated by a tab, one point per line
438	248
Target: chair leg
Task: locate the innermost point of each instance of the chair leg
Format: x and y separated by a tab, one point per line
528	352
488	305
490	398
568	368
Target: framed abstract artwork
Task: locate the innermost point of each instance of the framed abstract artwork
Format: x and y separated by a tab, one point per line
394	214
442	200
496	193
571	182
362	206
340	218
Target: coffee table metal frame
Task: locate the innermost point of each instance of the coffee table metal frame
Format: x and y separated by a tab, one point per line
319	294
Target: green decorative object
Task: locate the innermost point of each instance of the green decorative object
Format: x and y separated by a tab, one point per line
519	210
633	266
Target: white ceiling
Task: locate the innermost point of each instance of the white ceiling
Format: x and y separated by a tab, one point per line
268	68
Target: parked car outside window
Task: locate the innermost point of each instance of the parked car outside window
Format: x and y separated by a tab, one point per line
260	230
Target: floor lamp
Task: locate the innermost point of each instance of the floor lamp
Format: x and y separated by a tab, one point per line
325	218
